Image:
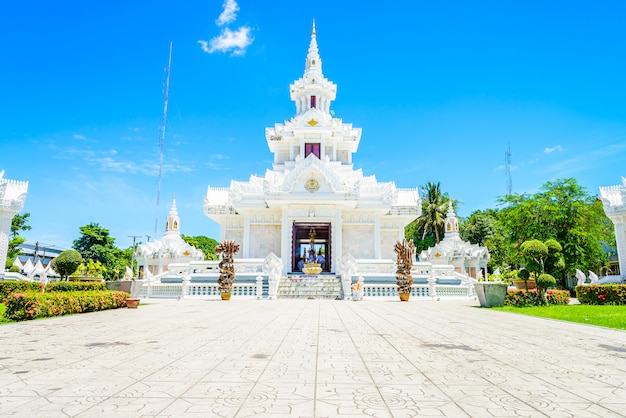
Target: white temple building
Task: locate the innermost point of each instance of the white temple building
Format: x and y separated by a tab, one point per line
313	189
469	259
614	204
154	257
12	198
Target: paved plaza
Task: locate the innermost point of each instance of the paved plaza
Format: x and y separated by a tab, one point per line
310	358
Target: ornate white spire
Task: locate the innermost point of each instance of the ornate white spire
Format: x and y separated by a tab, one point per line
313	60
451	223
313	91
172	223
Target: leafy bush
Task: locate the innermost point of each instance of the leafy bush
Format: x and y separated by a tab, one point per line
14	269
75	286
522	298
30	305
67	262
11	286
601	294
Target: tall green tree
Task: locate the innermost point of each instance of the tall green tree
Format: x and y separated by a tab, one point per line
482	228
96	244
18	223
564	211
201	242
428	229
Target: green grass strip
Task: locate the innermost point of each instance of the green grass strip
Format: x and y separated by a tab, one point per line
609	316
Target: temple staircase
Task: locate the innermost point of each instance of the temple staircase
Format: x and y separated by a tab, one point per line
301	286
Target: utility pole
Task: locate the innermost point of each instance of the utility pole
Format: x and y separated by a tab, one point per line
132	257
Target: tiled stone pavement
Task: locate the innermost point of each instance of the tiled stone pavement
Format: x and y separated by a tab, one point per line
310	358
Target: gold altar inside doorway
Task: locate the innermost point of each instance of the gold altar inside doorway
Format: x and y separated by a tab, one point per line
303	248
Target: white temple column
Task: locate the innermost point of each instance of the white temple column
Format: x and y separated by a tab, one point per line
614	204
620	240
285	242
377	243
245	253
12	197
336	238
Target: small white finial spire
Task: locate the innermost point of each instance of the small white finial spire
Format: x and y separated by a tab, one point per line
172	223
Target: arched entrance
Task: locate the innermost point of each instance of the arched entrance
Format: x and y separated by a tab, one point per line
303	246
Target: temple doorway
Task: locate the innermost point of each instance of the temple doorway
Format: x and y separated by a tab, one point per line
311	241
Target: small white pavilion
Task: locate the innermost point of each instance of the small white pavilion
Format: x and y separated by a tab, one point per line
469	259
154	257
313	190
614	204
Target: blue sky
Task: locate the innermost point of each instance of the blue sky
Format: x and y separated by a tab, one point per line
440	89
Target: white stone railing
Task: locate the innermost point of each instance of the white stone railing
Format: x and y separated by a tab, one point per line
373	290
204	290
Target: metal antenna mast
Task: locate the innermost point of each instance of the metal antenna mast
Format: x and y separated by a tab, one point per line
162	141
507	164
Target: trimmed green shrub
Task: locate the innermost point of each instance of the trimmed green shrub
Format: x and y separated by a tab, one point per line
14	269
30	305
522	298
67	262
11	286
601	294
75	286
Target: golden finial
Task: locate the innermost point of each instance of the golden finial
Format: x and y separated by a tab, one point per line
313	30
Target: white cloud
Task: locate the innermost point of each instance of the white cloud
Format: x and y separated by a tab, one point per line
555	148
235	41
79	137
229	14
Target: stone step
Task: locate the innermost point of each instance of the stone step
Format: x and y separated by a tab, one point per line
309	287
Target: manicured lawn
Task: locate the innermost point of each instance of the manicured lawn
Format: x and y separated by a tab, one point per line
3	320
609	316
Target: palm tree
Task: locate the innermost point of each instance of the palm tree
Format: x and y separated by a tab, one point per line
434	209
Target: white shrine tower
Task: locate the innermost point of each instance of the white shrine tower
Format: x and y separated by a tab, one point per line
614	203
12	197
312	189
154	257
468	259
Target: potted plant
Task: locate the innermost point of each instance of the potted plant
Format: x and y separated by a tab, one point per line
524	281
226	250
405	252
490	293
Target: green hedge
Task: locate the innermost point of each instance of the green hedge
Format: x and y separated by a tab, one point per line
523	297
65	286
21	306
601	294
11	286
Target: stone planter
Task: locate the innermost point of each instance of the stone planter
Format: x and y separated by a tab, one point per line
519	284
132	287
490	294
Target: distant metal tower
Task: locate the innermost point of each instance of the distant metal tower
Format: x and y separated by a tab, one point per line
507	164
162	142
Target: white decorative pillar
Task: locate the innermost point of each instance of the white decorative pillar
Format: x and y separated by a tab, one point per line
285	244
259	286
336	238
246	236
614	203
377	243
12	197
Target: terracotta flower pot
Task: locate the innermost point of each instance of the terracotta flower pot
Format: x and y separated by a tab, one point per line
404	297
225	295
132	303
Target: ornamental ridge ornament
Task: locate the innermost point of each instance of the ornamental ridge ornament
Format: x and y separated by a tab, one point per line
312	185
